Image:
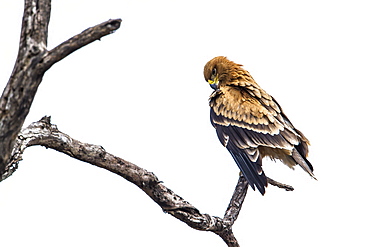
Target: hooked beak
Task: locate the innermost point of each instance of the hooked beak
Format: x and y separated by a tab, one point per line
214	83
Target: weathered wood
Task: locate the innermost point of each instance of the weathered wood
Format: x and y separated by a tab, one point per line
46	134
32	62
18	94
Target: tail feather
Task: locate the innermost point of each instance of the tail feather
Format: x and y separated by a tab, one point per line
252	171
303	162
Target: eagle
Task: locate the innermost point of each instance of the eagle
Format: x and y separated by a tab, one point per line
251	124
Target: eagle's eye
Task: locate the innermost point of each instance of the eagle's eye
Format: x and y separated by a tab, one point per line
214	71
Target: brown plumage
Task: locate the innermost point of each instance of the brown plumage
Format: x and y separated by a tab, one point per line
250	123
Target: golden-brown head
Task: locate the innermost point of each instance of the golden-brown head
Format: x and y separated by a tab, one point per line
221	71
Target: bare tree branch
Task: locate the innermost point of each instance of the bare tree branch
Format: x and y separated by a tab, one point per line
46	134
32	62
21	88
76	42
280	185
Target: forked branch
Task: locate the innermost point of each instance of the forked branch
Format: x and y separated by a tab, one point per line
46	134
33	60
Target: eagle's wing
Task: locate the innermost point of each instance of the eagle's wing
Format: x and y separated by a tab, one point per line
246	120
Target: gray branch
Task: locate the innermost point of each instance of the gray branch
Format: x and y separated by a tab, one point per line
32	62
46	134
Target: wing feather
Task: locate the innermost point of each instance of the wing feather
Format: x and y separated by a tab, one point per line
259	122
245	120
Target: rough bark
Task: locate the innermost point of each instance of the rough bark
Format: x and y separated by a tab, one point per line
33	60
46	134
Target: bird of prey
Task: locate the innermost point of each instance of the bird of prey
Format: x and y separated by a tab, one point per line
251	124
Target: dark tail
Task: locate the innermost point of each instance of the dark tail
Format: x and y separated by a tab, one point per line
302	161
252	171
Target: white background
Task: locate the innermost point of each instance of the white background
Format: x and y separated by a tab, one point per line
140	93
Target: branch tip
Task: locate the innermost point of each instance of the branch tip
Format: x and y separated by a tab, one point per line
280	185
46	119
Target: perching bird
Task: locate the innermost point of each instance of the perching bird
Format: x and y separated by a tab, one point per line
251	124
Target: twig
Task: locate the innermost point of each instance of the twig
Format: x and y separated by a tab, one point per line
76	42
280	185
